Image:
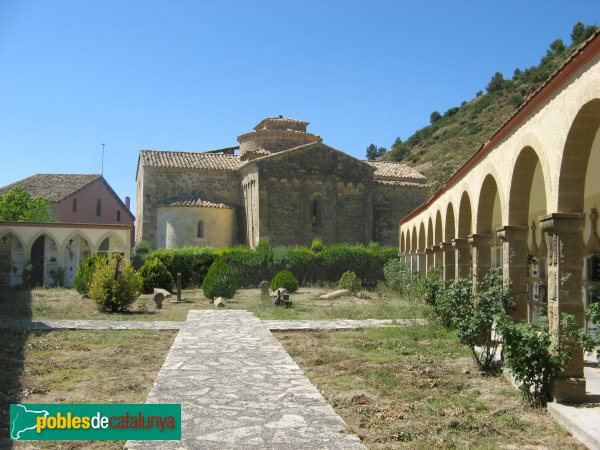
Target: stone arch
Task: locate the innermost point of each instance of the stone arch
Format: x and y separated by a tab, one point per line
73	234
37	235
402	242
109	234
485	209
414	239
521	186
449	230
10	231
465	216
438	237
429	242
421	245
576	153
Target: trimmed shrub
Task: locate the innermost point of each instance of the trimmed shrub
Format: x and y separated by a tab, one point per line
191	262
350	281
155	274
243	262
317	245
84	273
115	286
302	262
285	279
220	281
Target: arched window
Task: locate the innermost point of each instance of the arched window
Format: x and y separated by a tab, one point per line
200	229
103	247
316	212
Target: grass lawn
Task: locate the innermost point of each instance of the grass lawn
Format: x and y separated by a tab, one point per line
417	387
59	303
79	366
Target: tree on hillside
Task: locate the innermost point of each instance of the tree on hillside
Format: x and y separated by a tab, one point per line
374	152
434	117
497	83
580	32
18	206
399	150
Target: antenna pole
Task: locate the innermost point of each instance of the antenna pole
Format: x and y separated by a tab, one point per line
102	159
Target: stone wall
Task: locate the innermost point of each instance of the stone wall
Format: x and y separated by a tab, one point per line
156	185
391	202
340	185
178	227
275	141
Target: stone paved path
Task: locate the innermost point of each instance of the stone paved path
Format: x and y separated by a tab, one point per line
336	324
59	324
273	325
239	389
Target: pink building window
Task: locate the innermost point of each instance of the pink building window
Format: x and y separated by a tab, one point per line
98	207
74	205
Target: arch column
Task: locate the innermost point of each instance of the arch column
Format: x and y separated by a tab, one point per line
421	262
481	252
565	255
462	257
437	256
514	265
448	260
429	262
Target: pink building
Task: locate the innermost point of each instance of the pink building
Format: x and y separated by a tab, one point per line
78	198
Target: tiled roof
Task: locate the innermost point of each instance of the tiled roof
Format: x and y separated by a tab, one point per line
283	120
193	203
401	183
52	186
188	160
256	152
394	171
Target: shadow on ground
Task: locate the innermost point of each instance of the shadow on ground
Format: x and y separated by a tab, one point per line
12	355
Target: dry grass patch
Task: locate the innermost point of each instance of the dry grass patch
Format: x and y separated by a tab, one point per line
40	304
416	387
78	366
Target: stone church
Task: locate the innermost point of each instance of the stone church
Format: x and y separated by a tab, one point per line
280	183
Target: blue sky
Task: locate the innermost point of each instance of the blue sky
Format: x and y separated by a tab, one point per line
193	75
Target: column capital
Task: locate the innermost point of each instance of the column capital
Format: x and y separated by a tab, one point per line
512	232
436	247
428	250
446	246
460	243
562	222
479	239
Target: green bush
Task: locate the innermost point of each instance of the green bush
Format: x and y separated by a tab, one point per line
473	317
85	270
220	281
115	286
399	278
534	356
350	281
244	263
58	277
301	261
191	262
432	285
155	274
285	279
317	245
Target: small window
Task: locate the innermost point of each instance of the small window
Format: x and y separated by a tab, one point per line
74	205
315	212
118	215
98	207
200	230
